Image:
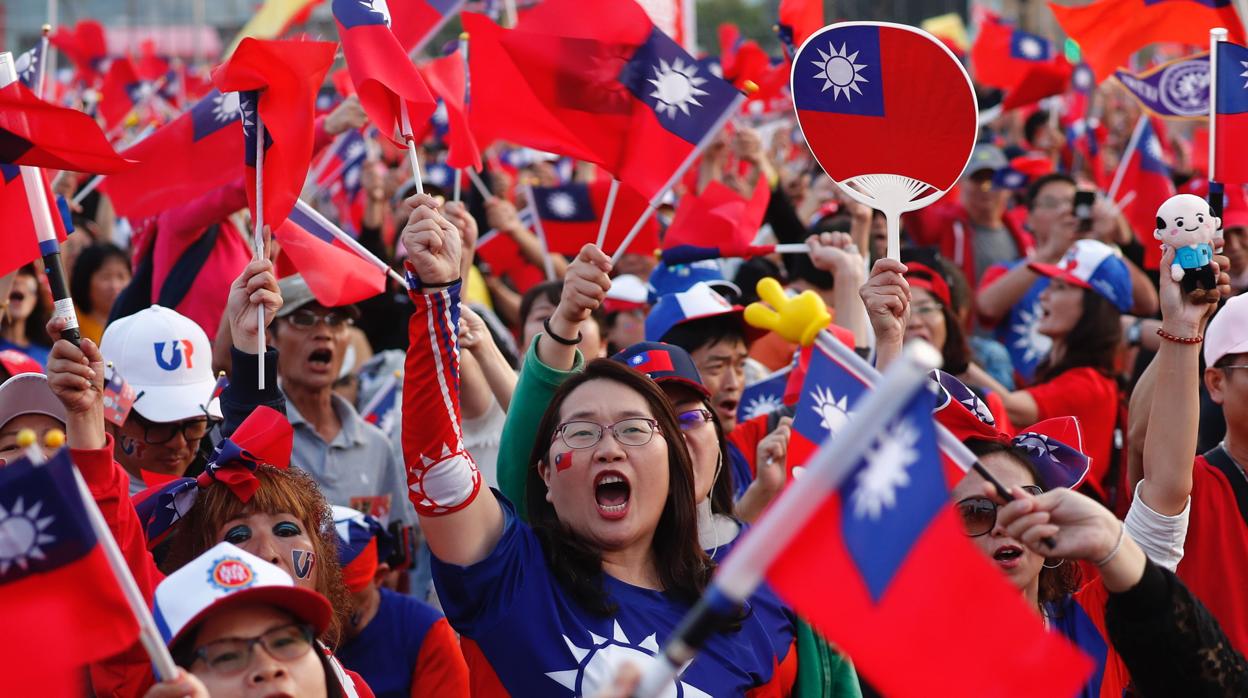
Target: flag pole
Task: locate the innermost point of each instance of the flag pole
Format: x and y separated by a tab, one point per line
311	212
541	233
45	229
406	127
44	53
258	242
479	185
606	213
680	172
743	570
1127	153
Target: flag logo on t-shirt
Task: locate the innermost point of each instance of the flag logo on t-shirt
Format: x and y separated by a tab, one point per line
597	663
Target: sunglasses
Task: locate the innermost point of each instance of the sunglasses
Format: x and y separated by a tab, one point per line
979	514
157	433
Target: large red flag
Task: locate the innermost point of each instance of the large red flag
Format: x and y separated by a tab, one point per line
416	21
1109	31
1147	176
1041	80
86	47
37	133
335	274
279	80
385	78
635	97
190	156
447	80
121	90
1003	55
1229	166
799	19
572	214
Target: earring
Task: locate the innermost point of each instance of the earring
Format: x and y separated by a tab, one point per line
1060	562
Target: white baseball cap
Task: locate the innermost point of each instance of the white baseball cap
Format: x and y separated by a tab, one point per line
167	359
28	393
225	576
1228	331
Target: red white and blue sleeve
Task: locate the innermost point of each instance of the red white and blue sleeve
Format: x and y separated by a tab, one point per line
442	477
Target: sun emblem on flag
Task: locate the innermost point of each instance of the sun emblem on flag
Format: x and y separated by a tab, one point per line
26	65
1033	344
596	664
225	106
561	204
1037	444
886	471
1245	73
1030	47
979	409
762	404
22	535
839	72
676	86
355	150
247	113
1153	147
833	413
377	7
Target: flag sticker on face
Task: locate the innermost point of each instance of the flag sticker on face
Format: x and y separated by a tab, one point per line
847	78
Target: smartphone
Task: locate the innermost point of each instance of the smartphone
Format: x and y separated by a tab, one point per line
1084	199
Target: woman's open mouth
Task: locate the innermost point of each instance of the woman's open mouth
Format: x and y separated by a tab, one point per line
611	494
1008	556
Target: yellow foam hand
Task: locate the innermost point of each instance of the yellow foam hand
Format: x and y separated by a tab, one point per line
798	319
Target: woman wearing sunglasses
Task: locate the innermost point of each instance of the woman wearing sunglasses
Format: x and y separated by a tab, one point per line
607	562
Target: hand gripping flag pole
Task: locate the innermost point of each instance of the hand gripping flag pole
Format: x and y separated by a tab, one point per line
45	229
741	573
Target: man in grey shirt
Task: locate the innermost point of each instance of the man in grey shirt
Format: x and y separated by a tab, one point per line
352	460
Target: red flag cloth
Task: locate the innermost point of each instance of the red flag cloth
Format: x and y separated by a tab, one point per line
38	133
21	242
801	18
908	580
335	274
500	252
571	215
287	75
729	42
86	47
635	97
504	107
718	217
1109	31
150	66
447	80
384	76
414	22
1002	55
122	88
55	583
1229	166
1040	81
188	157
1148	176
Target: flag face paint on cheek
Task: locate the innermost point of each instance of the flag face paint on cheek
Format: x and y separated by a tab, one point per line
567	459
302	562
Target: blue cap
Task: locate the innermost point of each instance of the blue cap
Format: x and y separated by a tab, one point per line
664	363
665	280
1094	265
700	301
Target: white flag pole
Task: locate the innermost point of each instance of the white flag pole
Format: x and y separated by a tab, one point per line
1127	153
680	172
311	212
45	52
406	127
478	184
1215	36
606	213
258	241
547	262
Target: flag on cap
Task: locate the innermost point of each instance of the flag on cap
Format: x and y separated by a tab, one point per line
1146	174
763	396
188	157
58	595
335	273
1003	55
1093	265
1109	31
1177	89
571	215
40	134
906	568
277	83
1232	114
383	75
651	361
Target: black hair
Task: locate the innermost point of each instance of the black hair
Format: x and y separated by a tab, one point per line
1043	181
1092	343
723	488
1038	120
550	290
37	322
91	260
704	332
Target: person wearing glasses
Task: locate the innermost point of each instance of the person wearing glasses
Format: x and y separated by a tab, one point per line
238	626
167	359
607	562
352	460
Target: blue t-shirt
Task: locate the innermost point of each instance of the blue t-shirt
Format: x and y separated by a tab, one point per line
386	651
35	351
1017	331
777	619
540	642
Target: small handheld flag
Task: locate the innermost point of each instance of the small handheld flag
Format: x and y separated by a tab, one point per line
119	396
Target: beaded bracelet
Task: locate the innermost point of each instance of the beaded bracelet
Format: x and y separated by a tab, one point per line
1180	340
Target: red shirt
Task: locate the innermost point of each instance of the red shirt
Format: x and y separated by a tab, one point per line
1216	553
1092	397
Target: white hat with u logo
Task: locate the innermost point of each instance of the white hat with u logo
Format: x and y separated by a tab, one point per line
167	359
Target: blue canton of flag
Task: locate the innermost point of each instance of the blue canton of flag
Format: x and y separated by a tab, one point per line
28	65
9	172
248	108
569	203
440	175
43	523
847	77
829	393
311	224
687	101
382	408
1232	78
763	396
1082	79
891	496
1030	47
212	113
355	13
1150	151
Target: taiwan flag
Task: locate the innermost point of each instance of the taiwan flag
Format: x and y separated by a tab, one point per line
638	100
346	152
867	96
122	91
86	46
908	579
499	252
41	134
829	392
277	82
798	20
414	22
188	157
1002	55
385	78
1109	31
1231	167
763	396
29	65
448	80
1146	174
335	274
653	361
570	216
382	410
58	595
718	218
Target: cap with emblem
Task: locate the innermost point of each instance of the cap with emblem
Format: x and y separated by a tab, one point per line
664	364
167	359
1093	265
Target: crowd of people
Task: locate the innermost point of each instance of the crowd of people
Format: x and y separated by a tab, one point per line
480	483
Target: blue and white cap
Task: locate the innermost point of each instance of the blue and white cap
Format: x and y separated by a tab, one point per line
699	302
227	575
1093	265
665	279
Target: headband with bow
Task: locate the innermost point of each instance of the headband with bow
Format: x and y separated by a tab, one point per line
264	438
1054	446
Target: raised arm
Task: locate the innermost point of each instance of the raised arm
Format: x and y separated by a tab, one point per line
839	255
460	525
